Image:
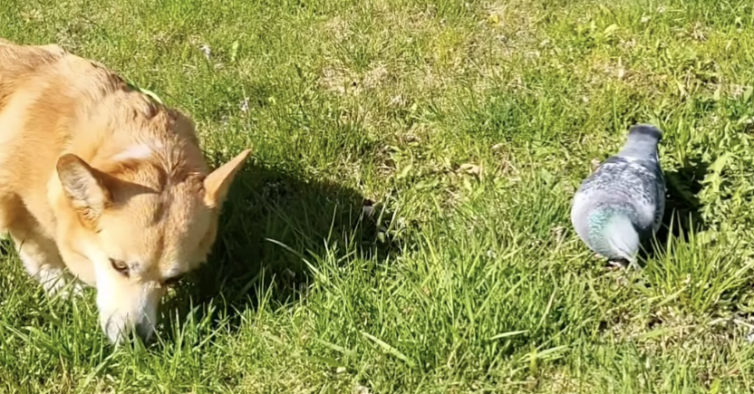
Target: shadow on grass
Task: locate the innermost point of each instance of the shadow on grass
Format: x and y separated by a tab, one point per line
682	208
271	222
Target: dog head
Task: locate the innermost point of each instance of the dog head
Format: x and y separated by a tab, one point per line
138	225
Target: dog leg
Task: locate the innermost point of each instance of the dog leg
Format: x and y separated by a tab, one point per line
42	261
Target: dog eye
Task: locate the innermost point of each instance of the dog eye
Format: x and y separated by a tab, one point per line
119	266
173	280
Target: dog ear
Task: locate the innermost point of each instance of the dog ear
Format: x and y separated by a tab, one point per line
217	183
82	186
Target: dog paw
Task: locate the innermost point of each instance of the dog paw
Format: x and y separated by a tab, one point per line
54	283
70	290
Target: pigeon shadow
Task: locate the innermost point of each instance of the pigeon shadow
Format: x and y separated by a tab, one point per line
274	223
682	207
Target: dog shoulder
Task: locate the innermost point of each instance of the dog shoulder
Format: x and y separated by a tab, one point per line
16	58
21	63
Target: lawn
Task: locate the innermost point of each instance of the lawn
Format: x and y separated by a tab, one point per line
403	225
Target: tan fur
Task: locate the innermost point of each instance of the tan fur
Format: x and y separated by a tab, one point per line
95	177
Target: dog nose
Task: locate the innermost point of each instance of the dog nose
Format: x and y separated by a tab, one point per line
144	331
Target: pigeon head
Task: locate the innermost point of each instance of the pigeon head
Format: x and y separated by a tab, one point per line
642	142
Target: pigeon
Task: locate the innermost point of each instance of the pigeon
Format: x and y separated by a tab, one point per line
621	205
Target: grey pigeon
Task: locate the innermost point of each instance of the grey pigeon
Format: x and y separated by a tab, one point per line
620	206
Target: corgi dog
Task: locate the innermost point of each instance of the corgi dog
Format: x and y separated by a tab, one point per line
100	180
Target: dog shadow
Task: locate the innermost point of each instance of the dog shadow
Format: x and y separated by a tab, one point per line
273	224
682	206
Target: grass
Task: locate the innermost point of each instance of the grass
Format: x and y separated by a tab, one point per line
468	125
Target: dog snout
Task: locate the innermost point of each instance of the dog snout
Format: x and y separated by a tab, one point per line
119	328
144	330
128	310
